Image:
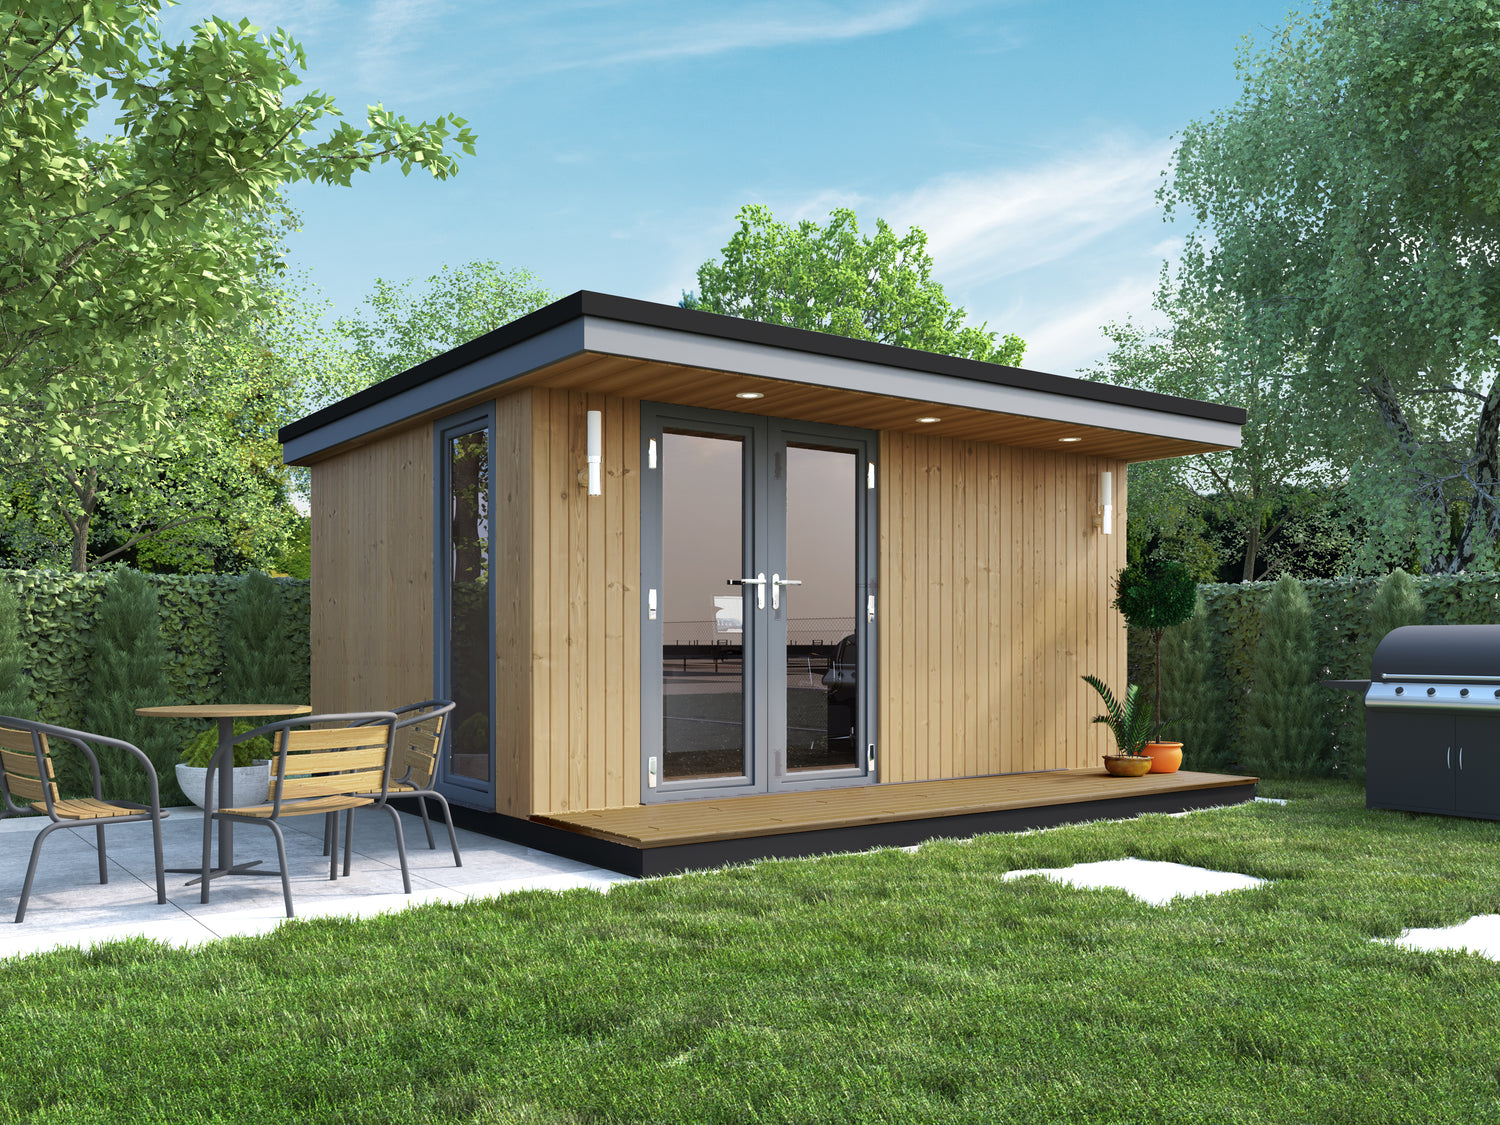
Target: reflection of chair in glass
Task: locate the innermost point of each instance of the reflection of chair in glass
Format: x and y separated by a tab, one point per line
842	682
315	771
419	741
26	772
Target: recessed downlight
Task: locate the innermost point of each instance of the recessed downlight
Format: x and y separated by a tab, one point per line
928	418
749	394
1070	439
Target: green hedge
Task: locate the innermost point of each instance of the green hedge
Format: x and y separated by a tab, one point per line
57	619
1343	640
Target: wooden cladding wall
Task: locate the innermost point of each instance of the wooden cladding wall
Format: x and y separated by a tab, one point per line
585	635
994	601
372	575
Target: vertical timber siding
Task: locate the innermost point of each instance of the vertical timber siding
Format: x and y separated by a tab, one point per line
994	601
372	575
585	681
514	562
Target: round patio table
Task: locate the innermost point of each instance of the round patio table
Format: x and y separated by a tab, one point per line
226	714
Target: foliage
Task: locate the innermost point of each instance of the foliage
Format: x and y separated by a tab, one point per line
1155	594
458	305
1128	721
15	684
1347	203
255	659
128	669
199	749
1191	697
1397	602
109	241
1282	734
830	279
1205	353
57	620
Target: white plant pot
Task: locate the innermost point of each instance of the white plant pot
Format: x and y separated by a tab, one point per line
252	783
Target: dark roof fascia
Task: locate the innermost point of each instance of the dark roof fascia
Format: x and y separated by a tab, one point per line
586	303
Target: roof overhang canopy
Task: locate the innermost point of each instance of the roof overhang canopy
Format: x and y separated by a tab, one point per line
597	343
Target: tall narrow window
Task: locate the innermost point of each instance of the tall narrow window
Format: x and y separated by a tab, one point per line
469	633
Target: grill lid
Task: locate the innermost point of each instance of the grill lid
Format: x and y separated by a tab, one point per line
1443	666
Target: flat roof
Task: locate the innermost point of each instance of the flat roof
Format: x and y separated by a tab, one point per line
603	324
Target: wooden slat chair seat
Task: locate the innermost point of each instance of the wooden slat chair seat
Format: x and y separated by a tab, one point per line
419	741
323	771
27	773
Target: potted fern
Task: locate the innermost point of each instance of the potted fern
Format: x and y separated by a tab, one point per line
252	766
1130	723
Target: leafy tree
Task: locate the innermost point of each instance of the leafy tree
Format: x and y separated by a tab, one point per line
1349	202
1204	353
402	330
830	279
106	244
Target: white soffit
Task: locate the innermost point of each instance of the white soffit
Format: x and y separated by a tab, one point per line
665	345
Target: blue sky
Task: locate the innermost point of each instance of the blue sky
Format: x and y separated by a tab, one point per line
617	138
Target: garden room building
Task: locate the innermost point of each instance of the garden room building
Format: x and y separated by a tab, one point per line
705	589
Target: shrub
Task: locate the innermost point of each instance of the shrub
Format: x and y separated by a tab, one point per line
1154	595
257	666
1397	602
1192	691
128	669
15	684
1283	735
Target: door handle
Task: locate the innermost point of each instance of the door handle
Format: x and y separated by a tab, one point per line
777	582
759	582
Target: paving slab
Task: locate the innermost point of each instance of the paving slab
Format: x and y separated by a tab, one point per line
69	907
1480	934
1150	880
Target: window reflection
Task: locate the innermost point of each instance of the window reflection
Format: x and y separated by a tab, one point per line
469	603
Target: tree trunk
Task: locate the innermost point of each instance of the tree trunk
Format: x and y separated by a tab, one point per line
85	487
1483	523
1252	545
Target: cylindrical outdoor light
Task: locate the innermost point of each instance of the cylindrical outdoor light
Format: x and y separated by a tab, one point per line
596	452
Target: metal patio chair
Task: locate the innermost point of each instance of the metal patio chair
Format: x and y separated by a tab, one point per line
26	772
320	771
419	742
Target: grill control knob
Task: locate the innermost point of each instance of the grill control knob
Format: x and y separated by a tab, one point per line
1432	691
1463	691
1402	691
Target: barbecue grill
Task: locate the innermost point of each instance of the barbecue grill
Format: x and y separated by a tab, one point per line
1432	721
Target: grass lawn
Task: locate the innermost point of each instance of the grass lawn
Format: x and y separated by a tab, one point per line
888	987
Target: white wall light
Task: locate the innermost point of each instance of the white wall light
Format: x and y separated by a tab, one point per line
1107	501
596	452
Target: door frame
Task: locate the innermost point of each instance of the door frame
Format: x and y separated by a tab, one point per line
764	502
463	790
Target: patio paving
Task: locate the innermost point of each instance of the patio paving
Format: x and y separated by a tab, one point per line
69	907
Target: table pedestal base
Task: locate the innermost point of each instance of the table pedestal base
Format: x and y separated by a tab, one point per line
215	872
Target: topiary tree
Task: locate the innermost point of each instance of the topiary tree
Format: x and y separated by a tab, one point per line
1284	736
1192	688
1155	594
256	669
128	669
15	684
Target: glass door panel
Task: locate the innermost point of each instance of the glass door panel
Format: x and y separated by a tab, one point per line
703	617
468	655
820	601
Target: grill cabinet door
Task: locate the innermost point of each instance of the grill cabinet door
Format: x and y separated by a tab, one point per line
1478	771
1409	760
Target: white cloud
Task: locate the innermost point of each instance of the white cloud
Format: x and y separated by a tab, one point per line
985	226
1068	338
595	34
393	28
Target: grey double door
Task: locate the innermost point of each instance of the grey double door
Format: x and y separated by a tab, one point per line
758	604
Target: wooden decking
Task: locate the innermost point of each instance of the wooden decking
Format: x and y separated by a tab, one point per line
1000	801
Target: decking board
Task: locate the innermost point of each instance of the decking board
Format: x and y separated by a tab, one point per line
696	822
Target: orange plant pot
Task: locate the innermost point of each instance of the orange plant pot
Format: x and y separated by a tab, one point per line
1165	756
1127	767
